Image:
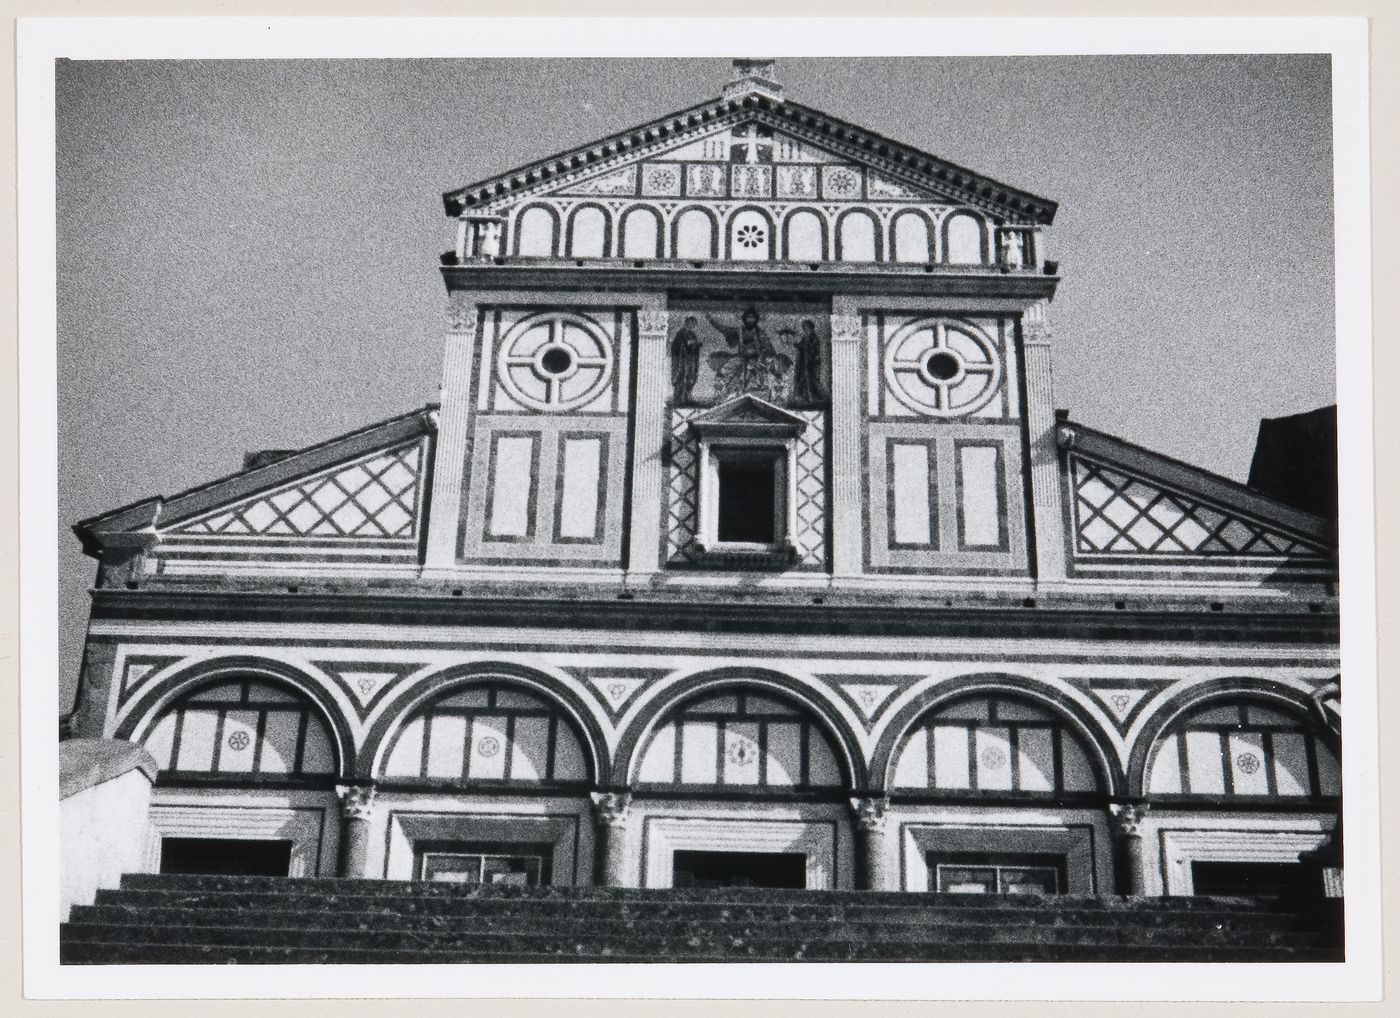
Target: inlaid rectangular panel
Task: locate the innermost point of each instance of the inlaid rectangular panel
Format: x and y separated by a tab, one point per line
913	500
513	479
981	505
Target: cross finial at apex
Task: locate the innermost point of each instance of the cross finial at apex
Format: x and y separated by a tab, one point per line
753	74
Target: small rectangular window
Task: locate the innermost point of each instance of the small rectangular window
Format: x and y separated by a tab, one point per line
749	497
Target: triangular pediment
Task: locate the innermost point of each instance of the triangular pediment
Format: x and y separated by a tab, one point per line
747	412
751	147
1128	501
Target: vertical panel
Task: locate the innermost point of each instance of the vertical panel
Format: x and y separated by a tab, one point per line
160	742
639	234
911	491
529	749
911	771
822	769
750	237
1077	772
279	748
695	235
512	486
964	240
993	759
950	757
784	753
858	242
741	753
804	238
1247	759
1036	759
698	747
536	229
979	484
911	238
570	764
1329	773
1291	764
197	741
578	504
318	753
588	233
487	757
1165	777
1203	764
659	764
446	738
406	760
238	745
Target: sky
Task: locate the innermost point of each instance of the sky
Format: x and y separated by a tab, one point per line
248	250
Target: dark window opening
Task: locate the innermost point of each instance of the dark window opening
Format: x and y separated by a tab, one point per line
1269	879
981	873
740	869
505	864
748	500
226	857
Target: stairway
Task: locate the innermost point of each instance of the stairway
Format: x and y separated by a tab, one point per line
165	919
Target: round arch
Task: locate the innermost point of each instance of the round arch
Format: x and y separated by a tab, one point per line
1246	688
382	732
151	703
693	213
571	230
840	250
533	237
800	214
905	252
954	249
1012	686
634	739
626	235
769	243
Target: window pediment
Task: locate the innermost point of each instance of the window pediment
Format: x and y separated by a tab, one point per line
747	417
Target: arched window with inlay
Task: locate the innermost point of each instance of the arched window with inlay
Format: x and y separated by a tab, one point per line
996	744
964	241
805	237
741	739
588	233
911	238
1243	749
641	234
489	732
750	236
535	231
243	726
858	238
695	235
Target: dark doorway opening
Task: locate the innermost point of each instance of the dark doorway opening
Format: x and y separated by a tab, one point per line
748	499
226	857
1248	878
740	869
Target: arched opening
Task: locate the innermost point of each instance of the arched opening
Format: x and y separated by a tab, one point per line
488	733
535	230
244	726
858	238
641	234
750	236
806	237
695	235
588	233
964	241
911	238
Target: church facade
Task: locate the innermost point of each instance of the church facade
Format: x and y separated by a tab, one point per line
745	545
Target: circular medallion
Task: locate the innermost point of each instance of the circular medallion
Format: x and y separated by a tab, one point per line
742	751
942	368
750	235
555	360
487	746
993	756
238	740
1247	762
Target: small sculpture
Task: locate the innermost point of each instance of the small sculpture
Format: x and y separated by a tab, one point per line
754	365
685	362
808	386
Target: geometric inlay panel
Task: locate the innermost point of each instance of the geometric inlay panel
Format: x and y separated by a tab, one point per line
373	497
1119	514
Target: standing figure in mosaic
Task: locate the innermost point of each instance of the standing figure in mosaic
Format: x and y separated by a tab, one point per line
754	365
685	362
808	387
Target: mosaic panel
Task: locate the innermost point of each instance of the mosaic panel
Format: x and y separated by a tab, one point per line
751	181
841	182
619	181
1118	514
374	497
661	179
797	181
705	180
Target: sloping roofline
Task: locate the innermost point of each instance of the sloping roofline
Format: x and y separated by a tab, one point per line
859	143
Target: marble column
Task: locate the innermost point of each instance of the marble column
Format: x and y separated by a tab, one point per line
356	811
869	819
610	822
1128	862
845	499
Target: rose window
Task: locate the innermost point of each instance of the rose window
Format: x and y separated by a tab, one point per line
942	369
555	361
750	236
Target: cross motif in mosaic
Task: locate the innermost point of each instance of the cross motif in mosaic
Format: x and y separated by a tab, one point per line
374	497
682	503
1118	514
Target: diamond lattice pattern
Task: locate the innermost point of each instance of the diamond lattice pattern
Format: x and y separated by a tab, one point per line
1121	514
373	497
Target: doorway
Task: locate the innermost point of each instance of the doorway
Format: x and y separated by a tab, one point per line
740	869
1263	879
226	857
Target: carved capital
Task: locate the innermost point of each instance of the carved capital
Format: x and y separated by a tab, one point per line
1035	323
1066	437
461	312
870	813
356	801
652	321
846	327
1128	818
610	808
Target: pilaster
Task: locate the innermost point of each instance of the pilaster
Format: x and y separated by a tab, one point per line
454	427
649	435
847	348
1046	503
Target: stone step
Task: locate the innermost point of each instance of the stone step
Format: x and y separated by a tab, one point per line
751	895
124	951
389	913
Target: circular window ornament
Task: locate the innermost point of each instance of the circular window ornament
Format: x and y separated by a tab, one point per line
750	235
238	740
942	368
1248	763
488	746
555	360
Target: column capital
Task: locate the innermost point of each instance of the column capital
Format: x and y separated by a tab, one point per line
869	813
1035	323
1128	818
461	311
652	320
610	808
356	801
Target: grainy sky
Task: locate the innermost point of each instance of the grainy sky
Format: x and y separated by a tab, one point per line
248	249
